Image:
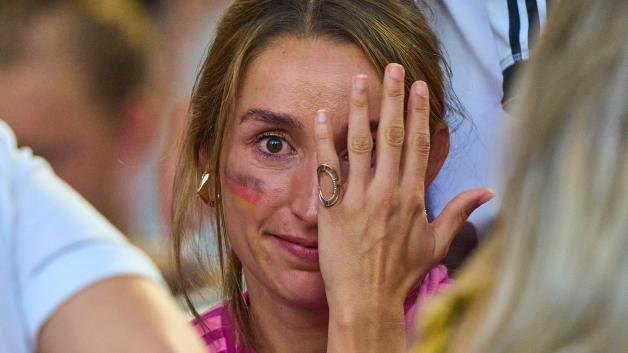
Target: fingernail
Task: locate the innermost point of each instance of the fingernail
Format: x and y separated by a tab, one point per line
487	197
321	116
395	71
359	82
420	88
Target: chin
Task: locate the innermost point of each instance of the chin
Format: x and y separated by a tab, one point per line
303	289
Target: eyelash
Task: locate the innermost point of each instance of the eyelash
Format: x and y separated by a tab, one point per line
274	134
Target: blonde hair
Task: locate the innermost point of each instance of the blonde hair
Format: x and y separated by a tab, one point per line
386	31
554	275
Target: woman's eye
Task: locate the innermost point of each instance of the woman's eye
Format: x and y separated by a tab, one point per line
273	145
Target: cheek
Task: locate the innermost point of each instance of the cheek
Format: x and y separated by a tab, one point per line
251	191
252	199
248	197
252	195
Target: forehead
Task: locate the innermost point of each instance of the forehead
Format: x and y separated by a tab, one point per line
298	76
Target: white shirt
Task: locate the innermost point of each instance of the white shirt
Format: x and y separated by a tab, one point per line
475	36
52	244
516	24
464	30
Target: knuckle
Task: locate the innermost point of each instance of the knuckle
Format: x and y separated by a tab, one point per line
412	200
322	135
389	199
418	169
361	143
359	102
394	135
463	214
421	142
421	108
384	195
394	204
395	92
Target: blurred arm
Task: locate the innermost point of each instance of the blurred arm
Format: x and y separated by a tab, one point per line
122	314
72	281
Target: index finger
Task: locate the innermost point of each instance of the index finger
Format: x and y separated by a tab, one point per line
327	156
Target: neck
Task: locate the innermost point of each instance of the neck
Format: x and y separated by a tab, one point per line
280	327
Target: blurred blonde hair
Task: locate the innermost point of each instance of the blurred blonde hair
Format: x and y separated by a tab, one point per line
554	274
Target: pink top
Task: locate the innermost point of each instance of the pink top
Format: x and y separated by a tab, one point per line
220	339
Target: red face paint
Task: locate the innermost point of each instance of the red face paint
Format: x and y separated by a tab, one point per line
243	194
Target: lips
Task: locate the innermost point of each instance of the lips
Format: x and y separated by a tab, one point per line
303	249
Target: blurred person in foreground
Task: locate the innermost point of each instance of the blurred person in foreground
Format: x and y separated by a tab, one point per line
553	276
70	281
77	86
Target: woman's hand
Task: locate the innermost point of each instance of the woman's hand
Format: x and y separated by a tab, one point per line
376	243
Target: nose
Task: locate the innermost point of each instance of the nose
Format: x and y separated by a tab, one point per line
305	193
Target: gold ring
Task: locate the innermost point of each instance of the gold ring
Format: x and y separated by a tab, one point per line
335	181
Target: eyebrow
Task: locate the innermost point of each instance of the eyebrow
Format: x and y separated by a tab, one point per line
270	117
288	120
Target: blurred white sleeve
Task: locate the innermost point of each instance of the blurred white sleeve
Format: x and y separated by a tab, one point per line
54	241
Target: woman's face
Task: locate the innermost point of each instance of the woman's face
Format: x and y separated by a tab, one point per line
269	180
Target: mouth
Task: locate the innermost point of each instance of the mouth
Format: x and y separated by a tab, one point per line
303	249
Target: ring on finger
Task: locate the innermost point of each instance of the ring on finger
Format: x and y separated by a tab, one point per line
336	186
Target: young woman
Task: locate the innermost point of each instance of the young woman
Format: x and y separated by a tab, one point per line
294	94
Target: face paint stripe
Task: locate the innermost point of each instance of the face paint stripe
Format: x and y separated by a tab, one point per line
243	194
241	201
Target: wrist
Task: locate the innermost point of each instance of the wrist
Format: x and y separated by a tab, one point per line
350	312
351	304
367	328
